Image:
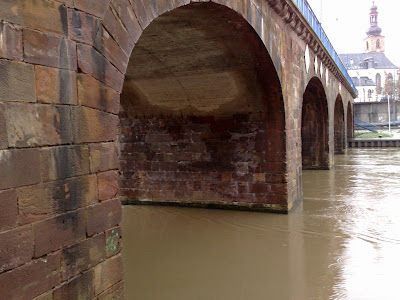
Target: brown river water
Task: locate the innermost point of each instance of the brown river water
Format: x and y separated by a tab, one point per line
343	242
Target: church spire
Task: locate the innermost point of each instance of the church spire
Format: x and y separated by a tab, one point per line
374	42
374	29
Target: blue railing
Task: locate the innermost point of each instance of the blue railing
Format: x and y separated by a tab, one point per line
309	15
365	125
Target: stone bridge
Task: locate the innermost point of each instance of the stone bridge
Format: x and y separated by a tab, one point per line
205	103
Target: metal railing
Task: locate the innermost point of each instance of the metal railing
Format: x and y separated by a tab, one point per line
309	15
365	125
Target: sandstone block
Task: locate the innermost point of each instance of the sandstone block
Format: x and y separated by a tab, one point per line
106	45
13	166
49	50
3	128
17	82
93	63
127	16
145	10
32	279
40	201
93	7
56	86
92	125
31	125
108	185
46	15
92	93
68	3
8	209
113	293
80	287
103	216
82	256
55	233
45	296
82	27
11	43
64	161
166	5
108	273
16	247
103	157
117	30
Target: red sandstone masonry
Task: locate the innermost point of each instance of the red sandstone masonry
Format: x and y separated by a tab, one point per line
82	27
108	274
11	47
45	15
108	185
55	86
8	209
3	128
32	279
49	50
58	232
94	7
40	201
16	247
92	93
17	82
102	216
93	63
90	252
39	174
80	287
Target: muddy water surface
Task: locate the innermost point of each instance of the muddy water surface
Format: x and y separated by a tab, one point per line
343	242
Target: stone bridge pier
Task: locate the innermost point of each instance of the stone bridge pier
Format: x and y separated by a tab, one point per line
202	103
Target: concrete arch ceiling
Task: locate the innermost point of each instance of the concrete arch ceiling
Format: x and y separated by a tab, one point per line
199	59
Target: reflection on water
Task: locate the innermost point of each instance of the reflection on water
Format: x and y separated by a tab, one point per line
343	242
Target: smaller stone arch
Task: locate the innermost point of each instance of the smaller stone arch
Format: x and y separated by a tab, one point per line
314	126
350	121
339	129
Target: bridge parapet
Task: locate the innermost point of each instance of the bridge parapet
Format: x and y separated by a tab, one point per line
299	15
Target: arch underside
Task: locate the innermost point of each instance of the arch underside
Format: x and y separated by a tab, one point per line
314	127
202	115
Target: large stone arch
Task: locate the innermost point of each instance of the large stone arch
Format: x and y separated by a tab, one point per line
62	67
203	103
315	127
339	127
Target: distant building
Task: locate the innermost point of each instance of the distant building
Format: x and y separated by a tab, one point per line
372	70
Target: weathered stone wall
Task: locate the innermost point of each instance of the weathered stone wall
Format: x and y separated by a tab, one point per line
62	66
199	160
377	112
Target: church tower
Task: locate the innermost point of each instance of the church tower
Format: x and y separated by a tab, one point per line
374	42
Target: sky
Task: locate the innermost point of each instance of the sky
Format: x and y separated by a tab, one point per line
346	22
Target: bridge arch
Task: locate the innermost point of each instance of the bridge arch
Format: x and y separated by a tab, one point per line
202	114
350	121
339	126
315	126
